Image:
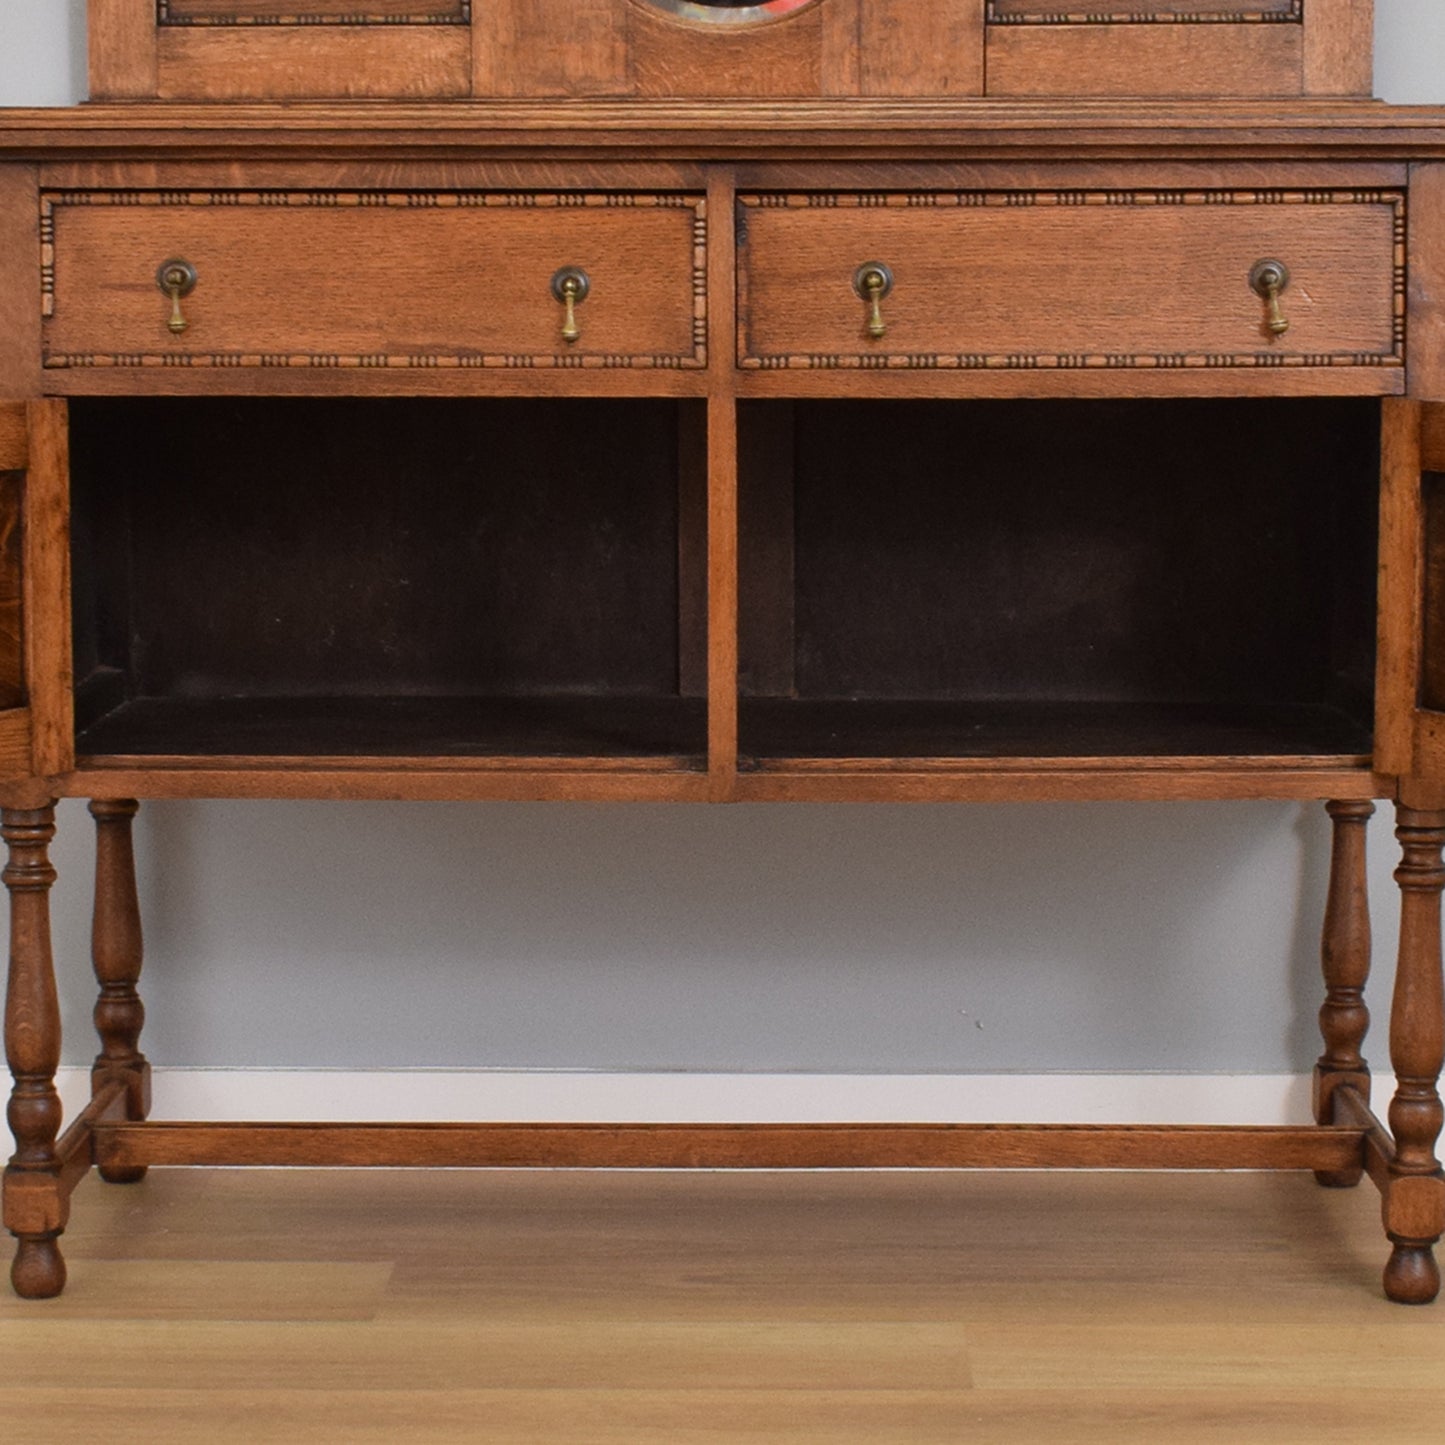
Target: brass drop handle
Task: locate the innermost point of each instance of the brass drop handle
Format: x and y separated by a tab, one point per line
873	281
176	278
1267	279
570	286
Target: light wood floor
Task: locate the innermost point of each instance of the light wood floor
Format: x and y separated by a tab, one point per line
298	1306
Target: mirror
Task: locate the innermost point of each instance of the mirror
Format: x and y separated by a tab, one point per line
730	11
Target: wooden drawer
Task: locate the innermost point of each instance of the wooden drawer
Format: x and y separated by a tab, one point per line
1072	279
328	279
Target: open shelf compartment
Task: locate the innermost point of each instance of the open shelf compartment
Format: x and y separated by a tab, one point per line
935	581
480	578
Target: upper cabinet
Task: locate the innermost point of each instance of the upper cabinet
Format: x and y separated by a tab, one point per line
719	49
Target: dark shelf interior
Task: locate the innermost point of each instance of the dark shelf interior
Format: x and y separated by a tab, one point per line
1015	579
407	576
542	727
869	728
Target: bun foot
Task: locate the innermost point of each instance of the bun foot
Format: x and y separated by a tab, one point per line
1338	1178
39	1269
122	1173
1412	1277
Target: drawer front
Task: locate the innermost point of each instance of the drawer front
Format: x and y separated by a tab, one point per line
1072	279
326	279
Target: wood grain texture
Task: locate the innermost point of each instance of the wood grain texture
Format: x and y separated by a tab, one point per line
117	953
1345	961
1415	1200
312	62
19	281
15	749
911	49
14	437
1144	60
1398	650
644	256
977	283
515	49
122	37
730	1146
830	1309
783	58
1339	41
1426	293
47	589
35	1207
919	780
12	590
722	524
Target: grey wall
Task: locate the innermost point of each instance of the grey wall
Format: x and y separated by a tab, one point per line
1102	937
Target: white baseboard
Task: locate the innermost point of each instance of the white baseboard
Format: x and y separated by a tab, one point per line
580	1096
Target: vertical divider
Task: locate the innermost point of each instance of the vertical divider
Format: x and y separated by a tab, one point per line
46	599
1397	667
722	488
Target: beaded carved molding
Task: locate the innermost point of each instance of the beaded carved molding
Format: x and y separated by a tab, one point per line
437	358
1072	361
310	12
1148	12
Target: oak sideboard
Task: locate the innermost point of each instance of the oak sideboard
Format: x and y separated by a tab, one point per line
654	400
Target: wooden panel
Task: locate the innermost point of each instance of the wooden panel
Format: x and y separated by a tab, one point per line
518	48
1072	279
672	59
312	62
313	12
1096	781
20	262
1339	47
907	48
1170	59
1397	675
47	588
122	49
1426	225
12	581
14	437
732	1146
293	279
1432	438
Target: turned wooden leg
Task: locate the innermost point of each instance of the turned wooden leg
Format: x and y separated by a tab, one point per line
35	1207
1345	954
117	952
1414	1206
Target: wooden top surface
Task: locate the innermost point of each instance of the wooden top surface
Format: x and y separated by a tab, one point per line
737	129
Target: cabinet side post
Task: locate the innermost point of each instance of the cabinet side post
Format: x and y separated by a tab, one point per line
1425	284
1345	956
117	952
1414	1207
1339	47
123	49
36	1205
